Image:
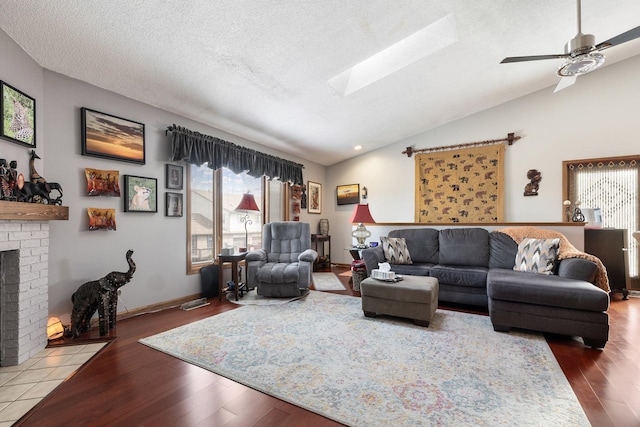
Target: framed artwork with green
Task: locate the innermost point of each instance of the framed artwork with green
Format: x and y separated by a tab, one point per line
140	194
18	116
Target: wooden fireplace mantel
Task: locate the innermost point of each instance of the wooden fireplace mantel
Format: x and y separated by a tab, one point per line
32	211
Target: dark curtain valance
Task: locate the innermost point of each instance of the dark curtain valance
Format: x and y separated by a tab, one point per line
198	149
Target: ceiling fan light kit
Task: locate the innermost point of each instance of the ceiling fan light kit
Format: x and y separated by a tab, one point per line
582	53
581	64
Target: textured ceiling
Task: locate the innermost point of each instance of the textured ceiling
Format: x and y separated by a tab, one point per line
259	69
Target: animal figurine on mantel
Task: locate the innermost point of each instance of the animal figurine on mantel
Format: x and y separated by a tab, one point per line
38	189
100	295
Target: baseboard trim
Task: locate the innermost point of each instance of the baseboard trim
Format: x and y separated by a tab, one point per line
341	265
151	308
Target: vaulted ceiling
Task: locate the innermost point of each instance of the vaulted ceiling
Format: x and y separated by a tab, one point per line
261	69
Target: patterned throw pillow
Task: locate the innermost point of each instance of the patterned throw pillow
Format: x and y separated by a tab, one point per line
395	250
537	255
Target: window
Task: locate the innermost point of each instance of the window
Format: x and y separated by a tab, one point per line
612	185
214	223
238	226
200	227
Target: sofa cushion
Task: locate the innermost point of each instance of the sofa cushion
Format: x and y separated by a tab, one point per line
464	246
553	291
502	250
468	276
395	250
421	269
279	272
422	243
537	255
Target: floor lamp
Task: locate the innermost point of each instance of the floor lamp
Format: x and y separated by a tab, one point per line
247	204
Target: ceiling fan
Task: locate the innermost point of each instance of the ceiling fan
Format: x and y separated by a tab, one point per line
581	52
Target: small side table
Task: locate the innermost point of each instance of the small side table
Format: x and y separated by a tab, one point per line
324	260
234	259
356	252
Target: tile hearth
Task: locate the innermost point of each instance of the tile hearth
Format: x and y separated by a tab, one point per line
23	386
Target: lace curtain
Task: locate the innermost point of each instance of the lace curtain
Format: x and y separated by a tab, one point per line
198	149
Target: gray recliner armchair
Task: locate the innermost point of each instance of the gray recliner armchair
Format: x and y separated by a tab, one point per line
282	268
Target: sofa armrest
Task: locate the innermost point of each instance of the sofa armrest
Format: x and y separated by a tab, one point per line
309	255
256	255
578	268
371	257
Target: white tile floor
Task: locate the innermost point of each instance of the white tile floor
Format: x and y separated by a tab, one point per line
23	386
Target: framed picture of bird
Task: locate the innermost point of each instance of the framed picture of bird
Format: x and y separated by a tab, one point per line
18	116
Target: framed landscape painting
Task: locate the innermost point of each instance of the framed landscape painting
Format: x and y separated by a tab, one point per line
18	116
140	194
348	194
111	137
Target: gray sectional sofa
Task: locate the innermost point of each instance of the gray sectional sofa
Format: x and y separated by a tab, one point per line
475	267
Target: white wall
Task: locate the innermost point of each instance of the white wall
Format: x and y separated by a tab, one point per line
76	254
596	117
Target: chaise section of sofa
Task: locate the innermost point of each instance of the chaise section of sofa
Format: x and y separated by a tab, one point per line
557	305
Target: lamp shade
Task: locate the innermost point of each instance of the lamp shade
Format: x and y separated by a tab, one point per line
248	203
361	215
54	328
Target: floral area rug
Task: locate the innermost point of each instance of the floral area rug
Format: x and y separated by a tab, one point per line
327	282
321	354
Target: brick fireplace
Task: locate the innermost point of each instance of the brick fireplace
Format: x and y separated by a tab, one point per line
24	301
24	283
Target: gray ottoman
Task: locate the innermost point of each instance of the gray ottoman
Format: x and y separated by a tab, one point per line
415	297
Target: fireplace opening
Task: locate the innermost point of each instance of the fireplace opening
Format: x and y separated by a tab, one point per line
9	305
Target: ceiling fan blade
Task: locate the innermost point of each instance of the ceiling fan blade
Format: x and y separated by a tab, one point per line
619	39
533	58
565	82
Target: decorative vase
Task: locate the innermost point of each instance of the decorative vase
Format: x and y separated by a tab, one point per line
323	227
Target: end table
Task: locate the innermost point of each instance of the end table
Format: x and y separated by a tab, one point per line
234	259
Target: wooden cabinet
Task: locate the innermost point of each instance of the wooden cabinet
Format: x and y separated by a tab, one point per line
610	245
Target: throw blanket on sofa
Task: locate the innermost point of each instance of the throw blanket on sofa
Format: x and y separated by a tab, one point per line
567	250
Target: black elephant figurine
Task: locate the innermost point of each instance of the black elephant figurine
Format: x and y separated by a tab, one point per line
100	295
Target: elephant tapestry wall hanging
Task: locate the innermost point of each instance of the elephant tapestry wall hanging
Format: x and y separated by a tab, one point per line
460	186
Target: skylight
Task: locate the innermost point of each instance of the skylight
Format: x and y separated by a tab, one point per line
426	41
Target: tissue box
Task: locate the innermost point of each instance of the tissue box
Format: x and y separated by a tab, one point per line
383	275
227	251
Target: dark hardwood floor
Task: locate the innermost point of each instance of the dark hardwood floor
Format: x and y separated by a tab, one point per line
129	384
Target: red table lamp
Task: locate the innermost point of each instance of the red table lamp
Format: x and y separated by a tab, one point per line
361	215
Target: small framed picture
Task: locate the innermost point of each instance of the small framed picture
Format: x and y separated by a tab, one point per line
140	194
173	177
101	219
314	202
348	194
173	203
111	137
102	182
18	116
